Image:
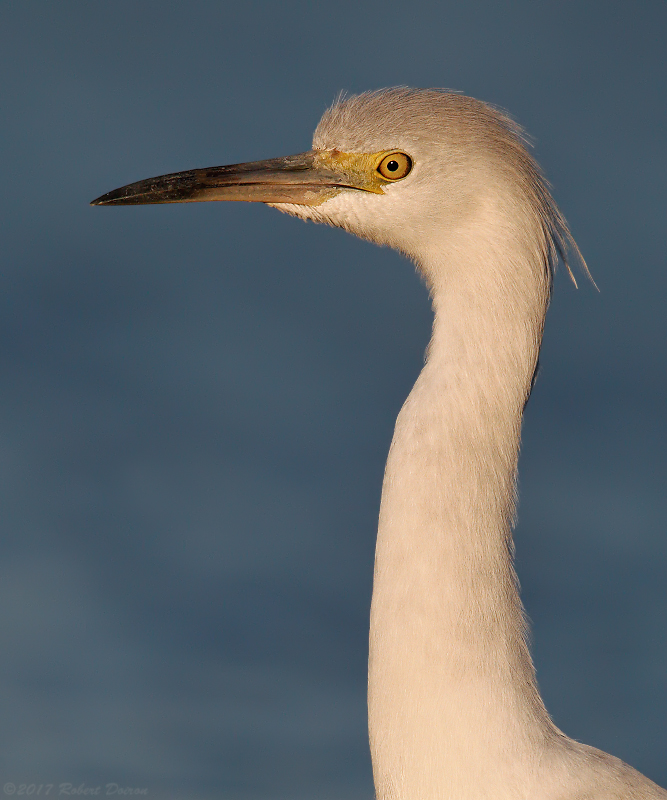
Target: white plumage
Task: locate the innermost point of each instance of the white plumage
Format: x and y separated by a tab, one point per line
454	709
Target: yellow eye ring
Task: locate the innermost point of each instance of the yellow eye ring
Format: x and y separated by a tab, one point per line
394	166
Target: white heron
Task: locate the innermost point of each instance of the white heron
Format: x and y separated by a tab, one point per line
454	708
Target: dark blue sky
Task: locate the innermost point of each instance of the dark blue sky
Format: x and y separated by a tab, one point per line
197	400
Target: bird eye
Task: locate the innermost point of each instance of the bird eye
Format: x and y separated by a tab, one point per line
395	166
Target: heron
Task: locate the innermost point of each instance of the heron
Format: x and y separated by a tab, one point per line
454	709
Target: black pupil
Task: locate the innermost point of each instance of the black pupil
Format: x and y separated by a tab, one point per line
392	166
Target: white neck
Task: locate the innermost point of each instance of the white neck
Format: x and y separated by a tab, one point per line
454	711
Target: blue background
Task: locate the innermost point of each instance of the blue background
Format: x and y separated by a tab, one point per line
196	401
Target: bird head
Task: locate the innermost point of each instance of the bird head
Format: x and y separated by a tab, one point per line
401	167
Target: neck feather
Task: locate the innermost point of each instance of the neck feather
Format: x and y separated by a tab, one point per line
453	703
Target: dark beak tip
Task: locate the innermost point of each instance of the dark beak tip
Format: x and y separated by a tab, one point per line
105	199
121	197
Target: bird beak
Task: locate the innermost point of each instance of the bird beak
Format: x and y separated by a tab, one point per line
305	179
